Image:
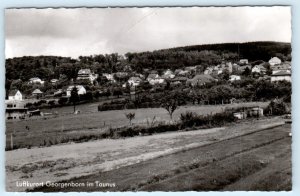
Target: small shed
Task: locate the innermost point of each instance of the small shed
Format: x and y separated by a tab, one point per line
256	112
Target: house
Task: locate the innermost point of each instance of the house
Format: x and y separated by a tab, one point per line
243	68
58	92
86	74
200	80
54	81
259	69
37	93
179	80
168	74
286	66
274	61
155	79
110	77
134	81
36	80
15	109
15	95
208	70
244	61
80	90
281	76
183	73
191	68
234	78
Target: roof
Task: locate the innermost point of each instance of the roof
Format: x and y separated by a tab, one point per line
201	79
37	91
72	86
275	59
135	79
35	78
152	76
13	92
282	73
180	78
84	71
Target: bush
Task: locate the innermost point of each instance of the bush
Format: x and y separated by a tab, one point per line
277	107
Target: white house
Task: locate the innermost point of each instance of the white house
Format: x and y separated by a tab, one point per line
134	81
286	66
281	76
234	78
259	69
86	74
36	80
274	61
15	95
155	79
169	74
80	90
208	70
243	61
110	77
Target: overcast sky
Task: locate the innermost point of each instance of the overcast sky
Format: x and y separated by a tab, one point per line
84	31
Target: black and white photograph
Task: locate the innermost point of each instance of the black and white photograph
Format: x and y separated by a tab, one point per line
145	99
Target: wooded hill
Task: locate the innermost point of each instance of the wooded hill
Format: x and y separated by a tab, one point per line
47	67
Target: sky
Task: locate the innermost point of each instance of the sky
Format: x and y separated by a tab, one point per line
89	31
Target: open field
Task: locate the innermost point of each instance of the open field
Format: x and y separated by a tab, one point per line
259	161
139	163
90	122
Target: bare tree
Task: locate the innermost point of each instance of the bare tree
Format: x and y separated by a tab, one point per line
130	117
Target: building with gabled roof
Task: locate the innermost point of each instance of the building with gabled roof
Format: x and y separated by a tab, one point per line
281	76
15	95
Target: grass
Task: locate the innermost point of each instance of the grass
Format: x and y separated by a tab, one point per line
91	125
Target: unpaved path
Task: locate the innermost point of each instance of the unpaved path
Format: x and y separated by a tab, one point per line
63	162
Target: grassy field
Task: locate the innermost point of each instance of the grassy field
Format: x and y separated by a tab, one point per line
68	161
250	161
53	130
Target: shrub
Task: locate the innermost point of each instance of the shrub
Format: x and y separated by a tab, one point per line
277	107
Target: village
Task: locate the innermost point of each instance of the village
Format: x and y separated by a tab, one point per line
17	103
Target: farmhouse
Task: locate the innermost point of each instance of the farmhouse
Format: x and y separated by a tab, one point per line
281	76
86	74
35	80
134	81
15	109
200	80
80	90
15	95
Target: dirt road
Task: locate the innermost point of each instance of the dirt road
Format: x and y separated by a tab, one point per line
169	162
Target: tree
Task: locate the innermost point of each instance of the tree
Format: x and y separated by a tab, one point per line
130	117
74	97
170	104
